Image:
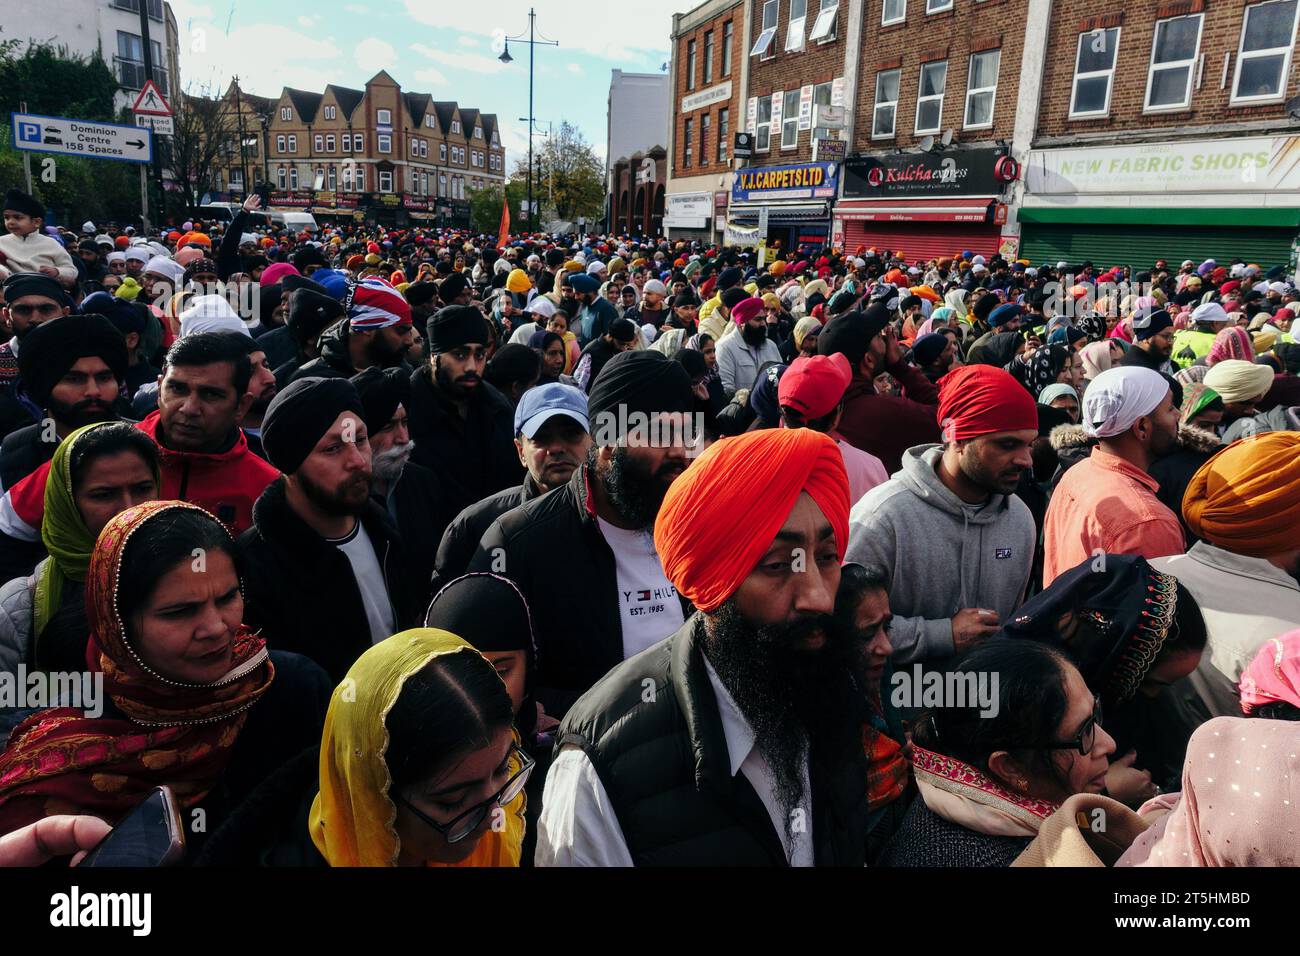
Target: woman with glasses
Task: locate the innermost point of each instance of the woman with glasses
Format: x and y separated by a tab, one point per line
420	764
1018	733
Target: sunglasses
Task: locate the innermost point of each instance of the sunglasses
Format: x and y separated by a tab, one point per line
466	823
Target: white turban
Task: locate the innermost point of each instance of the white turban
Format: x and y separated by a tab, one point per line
1239	381
211	313
1210	312
541	306
115	257
137	253
162	266
1118	397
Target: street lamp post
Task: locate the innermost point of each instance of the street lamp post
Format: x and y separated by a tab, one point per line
507	58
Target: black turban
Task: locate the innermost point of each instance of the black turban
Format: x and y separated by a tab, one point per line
381	391
27	205
851	333
34	283
127	317
452	286
985	306
52	348
311	313
420	293
298	416
454	326
636	381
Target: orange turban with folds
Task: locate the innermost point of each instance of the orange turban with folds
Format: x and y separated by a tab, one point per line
725	510
1246	499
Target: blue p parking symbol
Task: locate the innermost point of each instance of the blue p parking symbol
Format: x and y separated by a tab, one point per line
29	132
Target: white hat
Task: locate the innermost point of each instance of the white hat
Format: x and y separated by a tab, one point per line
115	257
979	268
1238	270
211	313
978	260
595	266
859	263
655	286
1065	265
248	238
1031	271
1210	312
137	254
1187	262
541	306
103	240
167	268
88	227
159	249
913	271
1281	288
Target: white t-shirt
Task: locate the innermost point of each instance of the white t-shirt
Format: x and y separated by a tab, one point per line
370	581
648	606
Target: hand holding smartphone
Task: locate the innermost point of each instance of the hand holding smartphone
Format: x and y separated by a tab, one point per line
150	835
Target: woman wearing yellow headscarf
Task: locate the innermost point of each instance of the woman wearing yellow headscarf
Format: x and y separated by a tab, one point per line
420	764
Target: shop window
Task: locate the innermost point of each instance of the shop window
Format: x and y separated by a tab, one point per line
981	89
1094	73
929	96
1264	57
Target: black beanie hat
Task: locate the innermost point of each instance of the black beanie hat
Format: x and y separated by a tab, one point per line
298	416
311	313
52	348
21	202
452	286
454	326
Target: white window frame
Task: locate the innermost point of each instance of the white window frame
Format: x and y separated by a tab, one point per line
796	29
455	126
384	173
926	99
293	177
359	181
1189	65
424	149
762	127
384	117
790	120
937	6
279	143
280	179
293	143
236	179
728	38
763	44
688	143
1109	74
347	178
1242	55
724	134
385	142
478	132
885	19
442	152
333	179
442	186
286	114
318	142
415	147
331	112
331	143
825	27
972	92
893	127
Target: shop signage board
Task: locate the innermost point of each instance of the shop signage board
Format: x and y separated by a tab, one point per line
957	172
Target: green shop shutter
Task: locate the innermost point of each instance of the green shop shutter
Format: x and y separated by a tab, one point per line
1141	247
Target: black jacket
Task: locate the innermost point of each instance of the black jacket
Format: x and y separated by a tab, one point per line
334	360
417	505
22	452
473	457
575	612
460	539
279	345
300	592
1196	446
664	764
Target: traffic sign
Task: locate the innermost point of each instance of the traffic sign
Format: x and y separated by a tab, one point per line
71	137
151	102
161	125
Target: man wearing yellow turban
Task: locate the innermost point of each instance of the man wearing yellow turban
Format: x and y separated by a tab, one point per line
729	743
1244	505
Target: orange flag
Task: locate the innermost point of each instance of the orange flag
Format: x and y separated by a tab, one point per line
505	224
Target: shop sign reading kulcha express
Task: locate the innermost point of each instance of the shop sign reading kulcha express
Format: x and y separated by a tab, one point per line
804	181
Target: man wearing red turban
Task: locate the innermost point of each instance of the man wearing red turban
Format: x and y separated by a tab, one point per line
731	742
948	529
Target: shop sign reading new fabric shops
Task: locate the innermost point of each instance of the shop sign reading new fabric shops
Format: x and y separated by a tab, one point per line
802	181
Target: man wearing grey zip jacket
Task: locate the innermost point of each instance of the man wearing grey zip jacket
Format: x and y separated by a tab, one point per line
947	528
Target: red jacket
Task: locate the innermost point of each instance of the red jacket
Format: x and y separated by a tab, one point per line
888	425
225	484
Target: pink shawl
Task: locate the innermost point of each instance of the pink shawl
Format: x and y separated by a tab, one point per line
1274	674
1240	804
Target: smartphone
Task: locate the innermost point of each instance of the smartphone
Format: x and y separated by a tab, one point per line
263	191
150	835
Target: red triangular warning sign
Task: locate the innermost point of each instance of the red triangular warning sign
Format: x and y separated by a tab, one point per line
150	102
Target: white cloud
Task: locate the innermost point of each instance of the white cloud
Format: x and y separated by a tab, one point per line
575	69
266	56
464	62
430	76
187	10
307	22
374	54
360	8
467	41
638	30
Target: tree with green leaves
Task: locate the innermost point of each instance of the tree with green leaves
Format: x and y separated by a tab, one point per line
569	177
485	206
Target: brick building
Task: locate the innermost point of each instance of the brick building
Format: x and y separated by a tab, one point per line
394	155
1164	131
639	200
247	118
707	93
934	111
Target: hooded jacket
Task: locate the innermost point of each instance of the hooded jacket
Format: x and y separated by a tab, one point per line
940	554
334	360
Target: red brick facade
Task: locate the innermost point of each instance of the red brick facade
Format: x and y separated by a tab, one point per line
721	118
952	36
1211	100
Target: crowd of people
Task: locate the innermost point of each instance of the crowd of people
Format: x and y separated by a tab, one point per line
417	547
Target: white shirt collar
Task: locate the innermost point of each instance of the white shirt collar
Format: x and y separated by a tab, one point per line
735	728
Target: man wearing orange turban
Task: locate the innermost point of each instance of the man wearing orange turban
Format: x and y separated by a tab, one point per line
753	697
1244	505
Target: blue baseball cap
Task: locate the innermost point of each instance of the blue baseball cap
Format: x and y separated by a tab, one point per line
539	405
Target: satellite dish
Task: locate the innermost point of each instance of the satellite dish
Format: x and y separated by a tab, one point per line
946	138
1293	107
927	143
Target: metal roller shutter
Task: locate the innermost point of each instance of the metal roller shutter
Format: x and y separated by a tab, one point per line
922	241
1140	247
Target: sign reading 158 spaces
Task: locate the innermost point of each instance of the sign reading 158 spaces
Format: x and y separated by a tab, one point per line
71	137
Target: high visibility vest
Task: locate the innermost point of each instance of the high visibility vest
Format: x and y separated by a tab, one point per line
1189	346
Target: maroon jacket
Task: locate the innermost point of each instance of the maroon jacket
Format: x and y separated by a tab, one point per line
888	425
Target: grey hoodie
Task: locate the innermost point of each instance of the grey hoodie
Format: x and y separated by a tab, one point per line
938	556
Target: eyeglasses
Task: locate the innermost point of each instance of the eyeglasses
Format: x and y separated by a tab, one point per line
1087	733
466	823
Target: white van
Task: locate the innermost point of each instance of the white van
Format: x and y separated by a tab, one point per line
296	221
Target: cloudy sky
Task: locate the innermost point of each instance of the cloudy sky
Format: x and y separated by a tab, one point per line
448	49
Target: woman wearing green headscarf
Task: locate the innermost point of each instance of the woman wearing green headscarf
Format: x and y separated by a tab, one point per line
96	472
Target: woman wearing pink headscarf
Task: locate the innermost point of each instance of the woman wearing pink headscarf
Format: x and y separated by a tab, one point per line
1240	804
1231	343
1097	358
1270	684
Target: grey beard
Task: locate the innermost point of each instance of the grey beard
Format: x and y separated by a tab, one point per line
389	465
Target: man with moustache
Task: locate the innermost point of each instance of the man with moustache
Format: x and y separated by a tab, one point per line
376	332
322	561
741	356
552	435
407	492
461	425
583	555
29	300
262	387
951	515
72	368
736	741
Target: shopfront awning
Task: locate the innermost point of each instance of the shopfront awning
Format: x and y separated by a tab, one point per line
778	213
915	210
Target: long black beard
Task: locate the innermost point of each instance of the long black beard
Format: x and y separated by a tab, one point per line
792	698
635	495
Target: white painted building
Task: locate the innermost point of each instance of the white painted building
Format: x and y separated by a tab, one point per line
110	28
636	120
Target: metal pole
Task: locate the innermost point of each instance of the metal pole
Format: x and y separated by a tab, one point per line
532	15
27	156
148	75
144	199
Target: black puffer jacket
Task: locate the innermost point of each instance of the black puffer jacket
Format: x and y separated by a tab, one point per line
460	539
1174	471
334	360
